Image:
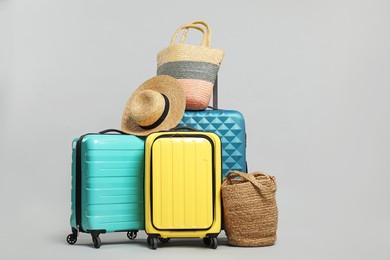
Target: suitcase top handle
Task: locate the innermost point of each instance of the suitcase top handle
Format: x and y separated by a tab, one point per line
112	130
179	128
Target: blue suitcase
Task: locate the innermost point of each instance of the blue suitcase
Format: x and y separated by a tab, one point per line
229	125
107	185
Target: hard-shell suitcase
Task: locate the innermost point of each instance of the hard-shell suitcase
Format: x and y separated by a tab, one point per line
107	185
182	186
230	126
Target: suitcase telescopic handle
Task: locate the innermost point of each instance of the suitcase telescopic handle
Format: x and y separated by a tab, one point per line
215	95
112	130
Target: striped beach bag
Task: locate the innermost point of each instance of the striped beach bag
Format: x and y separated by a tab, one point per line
194	66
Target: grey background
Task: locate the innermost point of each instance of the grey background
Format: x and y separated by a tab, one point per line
312	79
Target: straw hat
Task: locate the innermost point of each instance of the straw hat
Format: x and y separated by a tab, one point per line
158	104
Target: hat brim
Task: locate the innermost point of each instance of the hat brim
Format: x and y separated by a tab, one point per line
173	90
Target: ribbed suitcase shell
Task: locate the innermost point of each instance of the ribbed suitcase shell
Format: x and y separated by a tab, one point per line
230	126
112	194
182	184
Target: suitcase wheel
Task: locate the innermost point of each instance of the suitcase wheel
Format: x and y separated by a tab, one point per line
207	241
211	242
214	242
71	239
96	241
152	242
164	240
132	235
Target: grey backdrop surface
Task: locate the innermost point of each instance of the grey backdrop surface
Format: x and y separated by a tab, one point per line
312	79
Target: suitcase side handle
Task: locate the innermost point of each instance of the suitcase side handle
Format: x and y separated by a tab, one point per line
112	130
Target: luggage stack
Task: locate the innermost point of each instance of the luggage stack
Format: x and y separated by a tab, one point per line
162	171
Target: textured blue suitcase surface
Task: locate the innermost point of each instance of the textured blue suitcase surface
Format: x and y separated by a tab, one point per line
230	126
107	185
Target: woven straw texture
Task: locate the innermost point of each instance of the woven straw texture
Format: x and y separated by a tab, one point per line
187	52
195	65
146	105
250	210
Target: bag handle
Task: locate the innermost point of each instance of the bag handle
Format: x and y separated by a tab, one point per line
200	22
252	179
112	130
188	26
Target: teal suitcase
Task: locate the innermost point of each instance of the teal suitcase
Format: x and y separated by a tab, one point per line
107	185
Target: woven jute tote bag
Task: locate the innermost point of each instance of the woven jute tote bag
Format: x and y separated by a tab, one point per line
250	212
194	66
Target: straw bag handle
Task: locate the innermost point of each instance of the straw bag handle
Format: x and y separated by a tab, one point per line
208	31
187	26
252	178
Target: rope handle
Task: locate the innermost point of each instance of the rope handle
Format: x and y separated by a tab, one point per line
207	30
188	26
252	179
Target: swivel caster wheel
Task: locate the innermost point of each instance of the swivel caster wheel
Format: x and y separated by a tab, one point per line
164	240
132	235
96	241
207	241
214	243
72	238
152	242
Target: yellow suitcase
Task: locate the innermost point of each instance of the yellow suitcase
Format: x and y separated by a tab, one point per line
182	187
